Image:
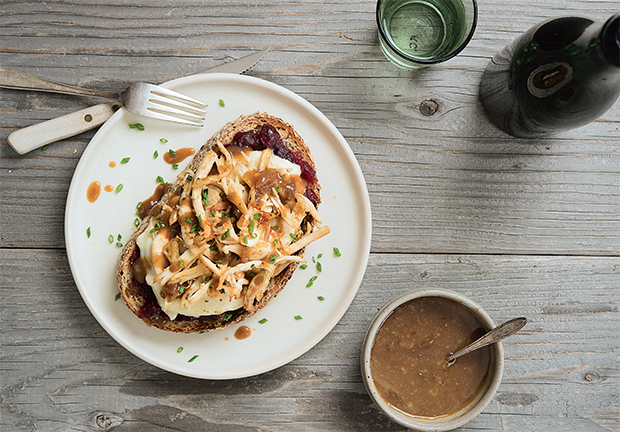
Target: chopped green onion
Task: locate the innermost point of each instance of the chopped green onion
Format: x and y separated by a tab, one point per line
205	198
311	281
175	166
45	147
228	316
181	263
212	213
293	237
321	298
155	154
163	140
172	152
273	259
136	222
337	252
118	296
251	228
303	266
180	349
193	358
119	244
187	219
278	189
119	188
139	205
263	321
88	232
245	240
226	234
319	267
119	237
222	104
125	160
225	214
298	317
138	126
160	179
319	256
111	239
257	216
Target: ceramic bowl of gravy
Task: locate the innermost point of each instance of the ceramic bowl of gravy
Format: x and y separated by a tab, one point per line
404	367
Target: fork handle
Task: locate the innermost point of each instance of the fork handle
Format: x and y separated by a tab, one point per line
40	134
10	78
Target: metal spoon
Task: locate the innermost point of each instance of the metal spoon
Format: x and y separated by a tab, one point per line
498	333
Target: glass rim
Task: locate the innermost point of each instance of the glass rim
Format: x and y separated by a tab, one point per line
413	59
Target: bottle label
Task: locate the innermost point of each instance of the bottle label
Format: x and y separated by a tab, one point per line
548	79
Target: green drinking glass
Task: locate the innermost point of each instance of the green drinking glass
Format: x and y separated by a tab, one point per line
419	33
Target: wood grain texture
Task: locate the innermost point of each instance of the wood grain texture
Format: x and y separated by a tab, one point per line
60	369
524	227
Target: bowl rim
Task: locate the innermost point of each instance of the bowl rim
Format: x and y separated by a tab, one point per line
454	420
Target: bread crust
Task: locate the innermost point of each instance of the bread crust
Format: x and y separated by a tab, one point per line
138	296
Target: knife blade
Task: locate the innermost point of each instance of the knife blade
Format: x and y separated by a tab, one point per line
47	132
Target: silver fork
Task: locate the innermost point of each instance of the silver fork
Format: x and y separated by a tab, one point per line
143	99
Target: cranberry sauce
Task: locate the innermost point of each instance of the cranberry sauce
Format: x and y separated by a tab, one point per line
269	137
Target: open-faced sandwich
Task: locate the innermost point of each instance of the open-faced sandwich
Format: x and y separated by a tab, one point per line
225	238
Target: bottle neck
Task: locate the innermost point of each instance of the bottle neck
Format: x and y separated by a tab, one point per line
610	40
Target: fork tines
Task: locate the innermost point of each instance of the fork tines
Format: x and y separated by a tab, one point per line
176	107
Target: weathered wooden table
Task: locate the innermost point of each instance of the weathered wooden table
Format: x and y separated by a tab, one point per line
524	227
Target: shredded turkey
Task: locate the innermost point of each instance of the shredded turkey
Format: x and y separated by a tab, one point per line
232	226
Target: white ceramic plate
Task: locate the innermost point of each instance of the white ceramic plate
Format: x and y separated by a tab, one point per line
345	208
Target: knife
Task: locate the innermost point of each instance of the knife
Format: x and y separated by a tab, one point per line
38	135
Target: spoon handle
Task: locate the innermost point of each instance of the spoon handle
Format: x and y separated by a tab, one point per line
500	332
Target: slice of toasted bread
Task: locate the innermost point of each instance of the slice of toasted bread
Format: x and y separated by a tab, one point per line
140	298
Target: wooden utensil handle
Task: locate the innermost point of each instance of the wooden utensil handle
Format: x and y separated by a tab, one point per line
38	135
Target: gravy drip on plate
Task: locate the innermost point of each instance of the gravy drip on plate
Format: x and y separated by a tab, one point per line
178	156
408	358
243	332
93	191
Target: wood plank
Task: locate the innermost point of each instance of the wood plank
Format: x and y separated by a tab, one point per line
428	195
61	370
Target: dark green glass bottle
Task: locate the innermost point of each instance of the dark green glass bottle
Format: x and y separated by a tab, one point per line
561	74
